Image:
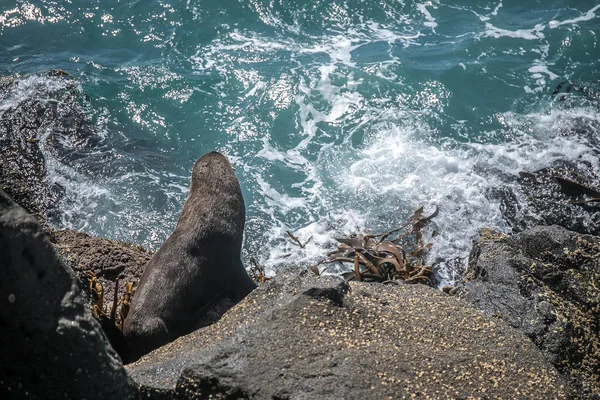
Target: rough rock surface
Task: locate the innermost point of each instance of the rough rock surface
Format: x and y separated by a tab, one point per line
107	259
546	282
48	117
303	337
50	346
536	198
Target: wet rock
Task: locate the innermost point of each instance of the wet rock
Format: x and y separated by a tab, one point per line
536	198
42	113
545	282
51	346
300	336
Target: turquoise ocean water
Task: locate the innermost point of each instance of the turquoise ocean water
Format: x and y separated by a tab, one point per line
339	116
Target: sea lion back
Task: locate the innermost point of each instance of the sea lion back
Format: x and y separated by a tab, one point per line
197	273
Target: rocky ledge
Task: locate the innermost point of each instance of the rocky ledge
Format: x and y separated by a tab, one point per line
303	337
296	336
525	324
546	283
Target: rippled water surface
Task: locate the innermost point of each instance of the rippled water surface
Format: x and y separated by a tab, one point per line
339	116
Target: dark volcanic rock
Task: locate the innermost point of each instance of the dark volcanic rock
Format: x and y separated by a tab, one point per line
51	346
546	282
303	337
536	198
40	112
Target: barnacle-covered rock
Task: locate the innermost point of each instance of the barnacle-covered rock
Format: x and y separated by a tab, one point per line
541	198
545	281
106	259
301	336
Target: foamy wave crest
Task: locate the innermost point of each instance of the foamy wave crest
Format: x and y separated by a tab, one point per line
339	117
366	148
376	186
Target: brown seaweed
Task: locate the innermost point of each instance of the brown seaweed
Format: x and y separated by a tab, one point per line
382	258
113	317
257	272
297	241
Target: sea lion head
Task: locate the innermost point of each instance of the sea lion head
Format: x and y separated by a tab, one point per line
214	169
216	194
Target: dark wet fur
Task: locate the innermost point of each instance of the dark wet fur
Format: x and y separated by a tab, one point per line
198	268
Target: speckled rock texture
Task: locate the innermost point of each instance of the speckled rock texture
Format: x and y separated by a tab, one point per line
50	345
304	337
546	282
107	259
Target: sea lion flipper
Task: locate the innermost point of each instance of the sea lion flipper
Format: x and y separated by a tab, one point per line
147	335
242	285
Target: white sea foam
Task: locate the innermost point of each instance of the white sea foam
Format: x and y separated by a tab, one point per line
589	15
395	173
81	195
40	87
498	7
338	47
543	69
430	21
534	33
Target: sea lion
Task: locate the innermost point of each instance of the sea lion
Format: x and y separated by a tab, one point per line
197	273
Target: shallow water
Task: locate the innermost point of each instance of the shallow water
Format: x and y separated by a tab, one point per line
339	116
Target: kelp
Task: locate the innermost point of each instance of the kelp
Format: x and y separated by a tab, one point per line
297	241
98	311
257	272
383	257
